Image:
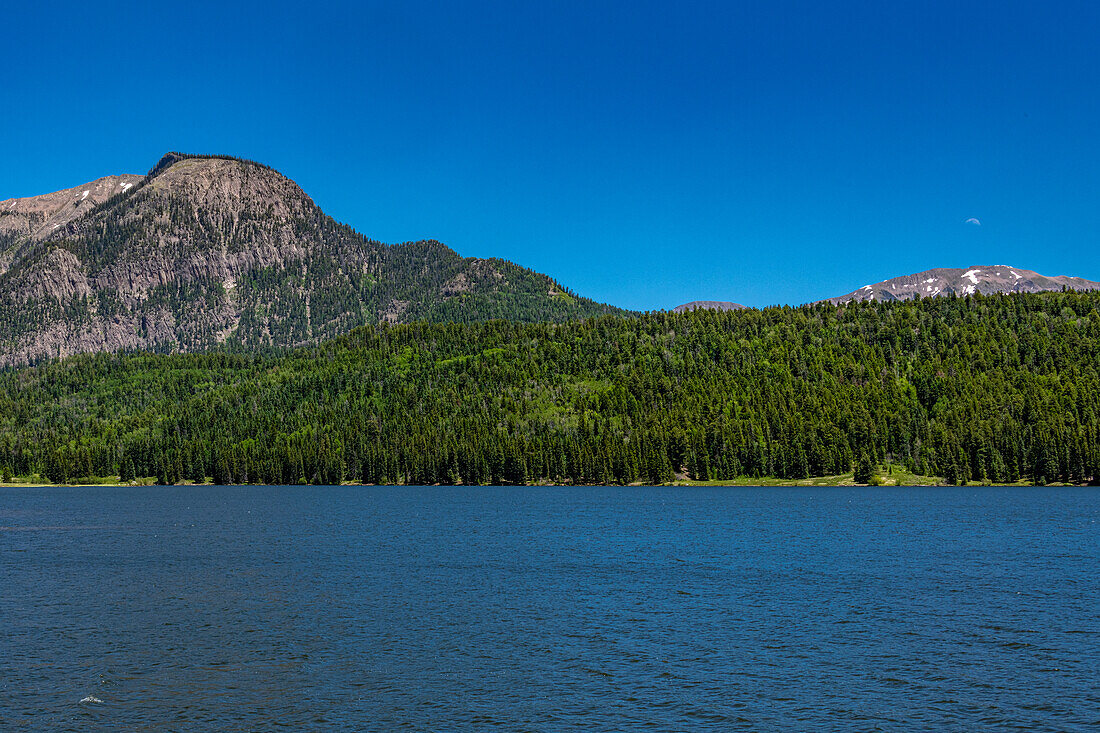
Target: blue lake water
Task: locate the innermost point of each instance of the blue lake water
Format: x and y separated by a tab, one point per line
549	609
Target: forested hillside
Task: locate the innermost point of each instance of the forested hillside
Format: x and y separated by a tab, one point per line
984	387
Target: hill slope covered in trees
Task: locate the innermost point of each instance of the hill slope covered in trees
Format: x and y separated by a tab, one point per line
984	387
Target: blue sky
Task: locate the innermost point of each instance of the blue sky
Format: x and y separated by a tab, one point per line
645	154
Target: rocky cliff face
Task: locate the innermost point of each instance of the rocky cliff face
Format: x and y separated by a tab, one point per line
984	279
38	217
205	250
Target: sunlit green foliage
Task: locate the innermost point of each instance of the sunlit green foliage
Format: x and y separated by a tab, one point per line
996	388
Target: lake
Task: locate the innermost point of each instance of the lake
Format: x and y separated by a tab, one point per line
549	609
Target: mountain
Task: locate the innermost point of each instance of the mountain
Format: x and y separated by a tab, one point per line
984	279
205	250
37	217
714	305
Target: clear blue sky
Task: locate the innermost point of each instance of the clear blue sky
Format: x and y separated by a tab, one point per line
643	153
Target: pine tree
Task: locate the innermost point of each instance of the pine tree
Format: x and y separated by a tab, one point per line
126	471
863	469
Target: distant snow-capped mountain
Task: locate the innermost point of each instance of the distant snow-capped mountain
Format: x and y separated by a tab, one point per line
984	279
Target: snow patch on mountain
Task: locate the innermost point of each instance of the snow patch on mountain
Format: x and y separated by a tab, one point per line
962	282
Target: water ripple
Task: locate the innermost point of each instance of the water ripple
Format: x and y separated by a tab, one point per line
382	609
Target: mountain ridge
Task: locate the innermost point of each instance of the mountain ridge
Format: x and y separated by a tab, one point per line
207	250
38	217
210	249
984	279
939	281
717	305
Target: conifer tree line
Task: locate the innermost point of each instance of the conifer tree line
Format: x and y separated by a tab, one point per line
997	388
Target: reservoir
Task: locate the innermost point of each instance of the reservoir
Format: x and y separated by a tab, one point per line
549	608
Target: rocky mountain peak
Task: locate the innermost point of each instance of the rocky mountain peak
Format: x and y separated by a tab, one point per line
210	249
228	186
984	279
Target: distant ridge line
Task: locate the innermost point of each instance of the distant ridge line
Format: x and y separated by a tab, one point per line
715	305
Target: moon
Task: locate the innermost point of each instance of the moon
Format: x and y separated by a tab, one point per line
973	221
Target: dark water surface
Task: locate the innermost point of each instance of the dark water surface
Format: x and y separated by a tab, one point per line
549	609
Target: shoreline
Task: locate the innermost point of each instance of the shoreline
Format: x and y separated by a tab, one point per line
757	482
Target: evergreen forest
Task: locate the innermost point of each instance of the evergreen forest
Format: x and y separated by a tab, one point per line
997	388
